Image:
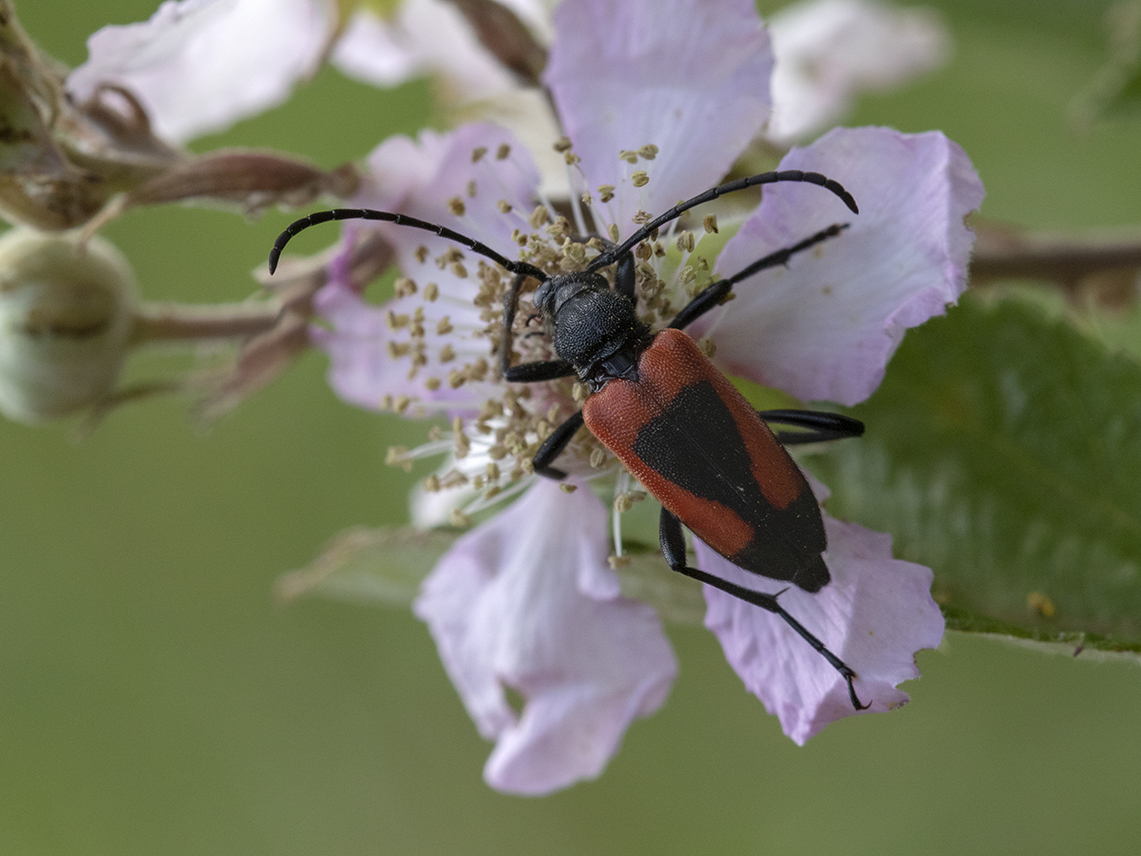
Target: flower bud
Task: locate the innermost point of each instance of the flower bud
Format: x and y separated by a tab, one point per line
66	316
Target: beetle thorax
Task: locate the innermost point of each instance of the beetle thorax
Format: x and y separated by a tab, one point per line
589	321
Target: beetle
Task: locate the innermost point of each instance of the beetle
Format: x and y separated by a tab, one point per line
666	412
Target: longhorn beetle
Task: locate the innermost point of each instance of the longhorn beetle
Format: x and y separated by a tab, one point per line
675	421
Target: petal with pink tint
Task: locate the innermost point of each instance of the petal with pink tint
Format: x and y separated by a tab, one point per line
526	602
364	371
425	179
825	326
198	66
874	615
691	79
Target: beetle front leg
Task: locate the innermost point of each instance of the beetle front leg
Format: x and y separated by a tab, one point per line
624	279
673	548
553	447
538	371
526	372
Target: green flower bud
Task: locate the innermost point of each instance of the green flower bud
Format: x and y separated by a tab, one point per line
66	318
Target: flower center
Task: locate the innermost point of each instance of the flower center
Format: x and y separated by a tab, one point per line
492	450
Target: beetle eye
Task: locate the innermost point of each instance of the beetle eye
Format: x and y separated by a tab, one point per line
543	295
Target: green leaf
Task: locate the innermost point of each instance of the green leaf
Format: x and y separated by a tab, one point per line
1004	451
645	576
383	565
387	565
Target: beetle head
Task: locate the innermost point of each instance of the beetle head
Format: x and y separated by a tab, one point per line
557	291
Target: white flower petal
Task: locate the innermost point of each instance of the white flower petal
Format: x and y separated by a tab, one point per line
516	604
828	51
198	66
824	327
874	615
692	79
424	37
431	37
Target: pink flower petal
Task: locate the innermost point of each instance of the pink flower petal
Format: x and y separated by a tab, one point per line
198	66
874	615
824	327
692	79
526	601
363	372
422	179
828	51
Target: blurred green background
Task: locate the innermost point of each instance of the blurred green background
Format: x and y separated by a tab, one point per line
154	699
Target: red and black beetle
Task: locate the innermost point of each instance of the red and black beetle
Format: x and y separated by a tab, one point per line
675	421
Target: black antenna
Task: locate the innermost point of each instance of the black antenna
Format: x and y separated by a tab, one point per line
612	255
400	220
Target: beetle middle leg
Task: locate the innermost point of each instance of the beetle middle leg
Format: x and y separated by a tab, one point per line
673	548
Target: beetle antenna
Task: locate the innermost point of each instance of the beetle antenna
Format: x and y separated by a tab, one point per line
400	220
613	254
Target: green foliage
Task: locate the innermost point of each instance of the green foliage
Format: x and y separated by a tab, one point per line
1115	92
1004	450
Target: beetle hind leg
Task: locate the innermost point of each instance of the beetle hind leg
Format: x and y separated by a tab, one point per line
673	548
816	426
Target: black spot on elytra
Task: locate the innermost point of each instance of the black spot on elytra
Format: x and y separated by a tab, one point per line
696	444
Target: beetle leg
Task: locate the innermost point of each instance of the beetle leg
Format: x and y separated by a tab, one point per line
624	277
818	427
542	370
510	306
553	446
673	548
527	372
716	292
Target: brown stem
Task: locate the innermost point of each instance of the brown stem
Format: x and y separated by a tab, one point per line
1004	252
155	322
506	37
